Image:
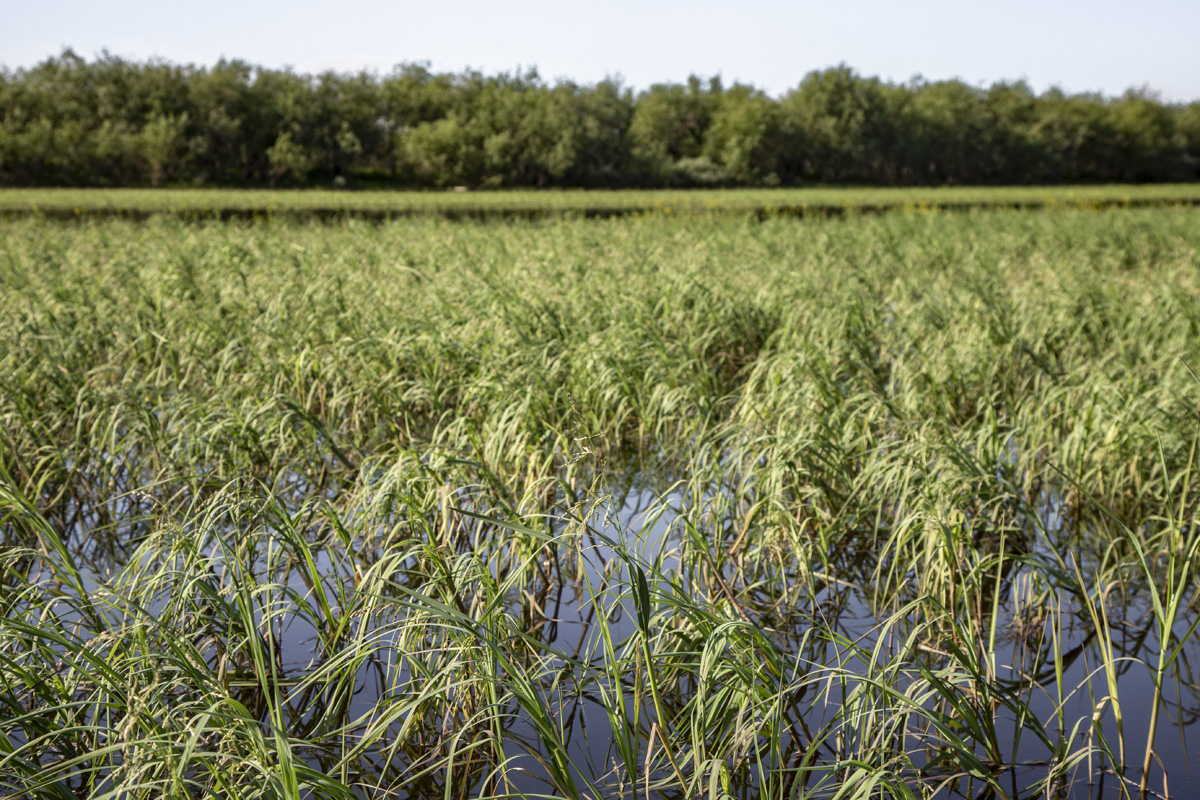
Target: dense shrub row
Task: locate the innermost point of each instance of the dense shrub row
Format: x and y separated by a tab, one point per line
67	121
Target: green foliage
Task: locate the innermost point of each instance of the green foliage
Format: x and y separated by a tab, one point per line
669	123
340	510
837	124
288	159
745	135
160	143
113	122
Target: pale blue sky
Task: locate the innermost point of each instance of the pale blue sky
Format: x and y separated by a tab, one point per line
1080	46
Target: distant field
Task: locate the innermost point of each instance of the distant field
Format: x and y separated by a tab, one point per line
768	202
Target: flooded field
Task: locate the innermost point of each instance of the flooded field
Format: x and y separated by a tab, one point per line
899	506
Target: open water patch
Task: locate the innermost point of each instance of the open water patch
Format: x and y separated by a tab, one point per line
1048	681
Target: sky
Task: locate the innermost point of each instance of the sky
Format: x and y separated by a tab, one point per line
1077	45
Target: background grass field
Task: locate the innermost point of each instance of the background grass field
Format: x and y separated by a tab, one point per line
207	202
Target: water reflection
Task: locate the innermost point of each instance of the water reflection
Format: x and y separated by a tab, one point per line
1049	695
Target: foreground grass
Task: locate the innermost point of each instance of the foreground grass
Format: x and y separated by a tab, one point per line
767	202
338	511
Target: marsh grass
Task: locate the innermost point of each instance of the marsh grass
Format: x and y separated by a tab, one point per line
880	507
818	201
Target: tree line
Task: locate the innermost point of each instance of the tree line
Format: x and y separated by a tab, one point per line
113	121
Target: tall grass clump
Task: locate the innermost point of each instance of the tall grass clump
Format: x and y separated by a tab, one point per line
900	506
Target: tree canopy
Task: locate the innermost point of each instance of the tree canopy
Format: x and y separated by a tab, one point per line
112	121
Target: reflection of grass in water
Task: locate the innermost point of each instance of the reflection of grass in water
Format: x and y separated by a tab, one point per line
309	510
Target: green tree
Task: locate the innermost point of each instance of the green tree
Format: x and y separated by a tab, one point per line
288	158
1078	137
947	134
1151	148
837	127
744	135
1188	124
669	124
160	142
